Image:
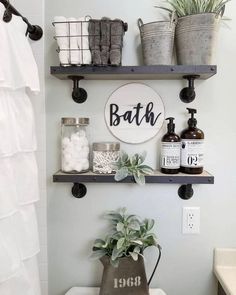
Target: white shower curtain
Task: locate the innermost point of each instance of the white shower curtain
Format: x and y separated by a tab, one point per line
19	191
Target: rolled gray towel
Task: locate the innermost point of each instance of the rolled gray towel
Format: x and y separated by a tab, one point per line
105	40
117	33
94	30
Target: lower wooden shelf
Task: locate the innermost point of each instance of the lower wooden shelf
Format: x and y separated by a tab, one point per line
156	177
185	191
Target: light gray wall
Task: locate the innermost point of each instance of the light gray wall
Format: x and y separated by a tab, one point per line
186	266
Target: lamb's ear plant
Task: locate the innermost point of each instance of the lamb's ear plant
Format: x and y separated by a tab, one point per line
189	7
129	237
133	166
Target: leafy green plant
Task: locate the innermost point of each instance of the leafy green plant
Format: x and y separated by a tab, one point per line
132	165
129	237
188	7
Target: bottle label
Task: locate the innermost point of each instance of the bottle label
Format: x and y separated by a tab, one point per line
192	152
170	155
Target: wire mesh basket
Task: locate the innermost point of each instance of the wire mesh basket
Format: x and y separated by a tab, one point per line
89	41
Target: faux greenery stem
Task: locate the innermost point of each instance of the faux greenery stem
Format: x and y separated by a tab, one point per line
189	7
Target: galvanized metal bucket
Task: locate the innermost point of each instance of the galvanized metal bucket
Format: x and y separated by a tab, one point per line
129	278
157	39
196	38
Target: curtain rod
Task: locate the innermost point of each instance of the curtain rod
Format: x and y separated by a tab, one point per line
35	31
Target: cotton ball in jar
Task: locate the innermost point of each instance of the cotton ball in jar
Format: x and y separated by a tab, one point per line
85	165
84	141
67	157
82	133
65	142
75	138
78	167
86	150
66	166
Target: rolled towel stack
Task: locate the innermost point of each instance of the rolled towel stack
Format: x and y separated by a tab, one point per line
106	41
94	40
75	152
83	41
73	41
117	33
62	36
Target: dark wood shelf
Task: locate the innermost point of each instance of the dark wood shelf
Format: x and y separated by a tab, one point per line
157	177
159	72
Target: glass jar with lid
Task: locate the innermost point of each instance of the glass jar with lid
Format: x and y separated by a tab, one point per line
74	145
105	154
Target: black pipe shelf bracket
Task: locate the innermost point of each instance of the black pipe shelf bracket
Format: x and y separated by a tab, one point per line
156	72
188	93
185	191
79	190
79	95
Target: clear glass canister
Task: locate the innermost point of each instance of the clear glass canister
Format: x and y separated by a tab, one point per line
104	156
74	145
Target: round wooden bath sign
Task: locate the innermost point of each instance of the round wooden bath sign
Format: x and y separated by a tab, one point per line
134	113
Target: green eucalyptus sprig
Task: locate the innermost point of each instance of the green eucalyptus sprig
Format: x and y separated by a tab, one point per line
129	237
133	166
189	7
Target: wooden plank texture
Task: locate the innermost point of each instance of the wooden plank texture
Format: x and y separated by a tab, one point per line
159	72
157	177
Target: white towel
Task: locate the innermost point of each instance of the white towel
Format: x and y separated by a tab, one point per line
83	41
74	48
62	33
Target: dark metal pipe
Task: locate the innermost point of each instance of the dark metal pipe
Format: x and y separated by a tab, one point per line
35	32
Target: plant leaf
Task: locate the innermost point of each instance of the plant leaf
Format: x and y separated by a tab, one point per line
116	253
150	224
137	242
120	243
134	225
137	249
146	169
114	263
139	179
98	243
134	255
120	226
121	173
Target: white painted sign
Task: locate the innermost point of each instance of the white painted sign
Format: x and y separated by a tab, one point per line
134	113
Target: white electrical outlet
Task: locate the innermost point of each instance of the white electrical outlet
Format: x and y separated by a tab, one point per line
191	220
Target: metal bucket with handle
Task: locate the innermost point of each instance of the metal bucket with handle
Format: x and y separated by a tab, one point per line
129	278
157	39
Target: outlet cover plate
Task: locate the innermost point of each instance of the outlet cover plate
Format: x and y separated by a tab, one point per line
191	220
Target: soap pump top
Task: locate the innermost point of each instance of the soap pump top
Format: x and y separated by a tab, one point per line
170	125
192	122
170	136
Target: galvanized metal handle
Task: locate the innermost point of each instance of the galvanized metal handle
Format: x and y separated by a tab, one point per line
173	19
140	23
155	268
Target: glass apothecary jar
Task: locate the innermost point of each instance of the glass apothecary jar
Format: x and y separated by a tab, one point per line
74	145
104	156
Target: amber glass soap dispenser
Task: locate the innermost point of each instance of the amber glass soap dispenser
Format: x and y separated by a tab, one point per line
170	150
192	144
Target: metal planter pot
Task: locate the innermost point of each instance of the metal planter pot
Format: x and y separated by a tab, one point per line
129	278
196	38
157	39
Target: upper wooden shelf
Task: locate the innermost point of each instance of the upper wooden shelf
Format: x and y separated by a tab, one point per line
159	72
